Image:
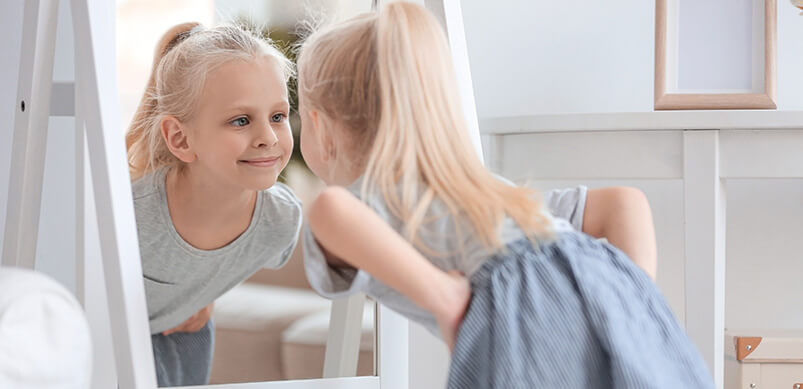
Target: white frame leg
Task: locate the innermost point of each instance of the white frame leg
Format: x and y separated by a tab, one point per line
80	199
30	133
19	144
343	339
114	202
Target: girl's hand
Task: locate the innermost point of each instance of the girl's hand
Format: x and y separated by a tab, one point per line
456	296
194	323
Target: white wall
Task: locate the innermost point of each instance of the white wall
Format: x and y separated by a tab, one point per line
545	57
531	57
55	253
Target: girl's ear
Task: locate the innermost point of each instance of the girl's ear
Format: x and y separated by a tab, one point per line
174	134
323	131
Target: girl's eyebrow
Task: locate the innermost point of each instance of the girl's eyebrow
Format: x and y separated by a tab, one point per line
284	104
239	107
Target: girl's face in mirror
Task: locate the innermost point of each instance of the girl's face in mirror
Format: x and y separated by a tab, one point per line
241	134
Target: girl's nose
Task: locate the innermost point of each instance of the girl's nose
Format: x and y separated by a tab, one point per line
267	138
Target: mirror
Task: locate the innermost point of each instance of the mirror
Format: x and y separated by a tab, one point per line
271	326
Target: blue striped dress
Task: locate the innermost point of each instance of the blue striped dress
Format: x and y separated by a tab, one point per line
572	312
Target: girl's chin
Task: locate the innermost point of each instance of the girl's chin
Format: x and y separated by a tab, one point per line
264	183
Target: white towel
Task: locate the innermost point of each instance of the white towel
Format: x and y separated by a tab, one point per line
44	336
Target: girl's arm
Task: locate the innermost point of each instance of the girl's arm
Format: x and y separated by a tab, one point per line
622	216
349	231
195	322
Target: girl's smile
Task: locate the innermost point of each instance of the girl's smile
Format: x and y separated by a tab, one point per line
262	162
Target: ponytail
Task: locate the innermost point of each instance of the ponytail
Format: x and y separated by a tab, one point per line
423	129
143	140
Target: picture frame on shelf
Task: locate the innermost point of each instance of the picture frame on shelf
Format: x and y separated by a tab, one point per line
706	59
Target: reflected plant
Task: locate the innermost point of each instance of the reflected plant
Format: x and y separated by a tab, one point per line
798	3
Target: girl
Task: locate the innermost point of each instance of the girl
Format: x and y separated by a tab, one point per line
543	305
205	148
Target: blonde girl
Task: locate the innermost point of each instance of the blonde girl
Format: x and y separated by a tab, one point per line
541	305
205	148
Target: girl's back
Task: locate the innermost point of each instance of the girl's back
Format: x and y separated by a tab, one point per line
550	307
447	241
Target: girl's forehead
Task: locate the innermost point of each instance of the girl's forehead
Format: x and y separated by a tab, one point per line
262	67
258	82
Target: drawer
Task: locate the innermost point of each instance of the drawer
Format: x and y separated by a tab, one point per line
765	359
781	375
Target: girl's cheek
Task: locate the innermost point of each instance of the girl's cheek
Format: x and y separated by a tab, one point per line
290	140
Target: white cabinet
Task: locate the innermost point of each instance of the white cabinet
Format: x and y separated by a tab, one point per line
681	161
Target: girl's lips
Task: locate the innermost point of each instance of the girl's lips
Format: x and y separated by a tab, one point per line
262	162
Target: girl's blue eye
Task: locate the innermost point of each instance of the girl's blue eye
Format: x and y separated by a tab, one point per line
277	118
240	122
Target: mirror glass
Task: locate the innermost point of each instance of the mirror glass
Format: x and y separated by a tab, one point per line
266	324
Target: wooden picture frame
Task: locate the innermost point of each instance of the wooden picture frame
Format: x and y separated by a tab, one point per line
668	96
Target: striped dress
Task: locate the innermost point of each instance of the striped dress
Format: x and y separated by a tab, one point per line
572	312
575	313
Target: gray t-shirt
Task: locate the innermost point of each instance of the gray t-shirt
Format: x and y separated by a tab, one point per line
181	279
453	250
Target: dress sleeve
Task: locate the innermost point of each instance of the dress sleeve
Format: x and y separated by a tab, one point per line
568	203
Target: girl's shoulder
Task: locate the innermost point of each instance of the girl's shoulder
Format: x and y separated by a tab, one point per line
282	192
148	185
278	223
279	205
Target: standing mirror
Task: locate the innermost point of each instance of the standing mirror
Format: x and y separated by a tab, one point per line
272	330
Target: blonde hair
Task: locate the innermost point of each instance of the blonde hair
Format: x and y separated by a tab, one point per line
389	79
184	56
